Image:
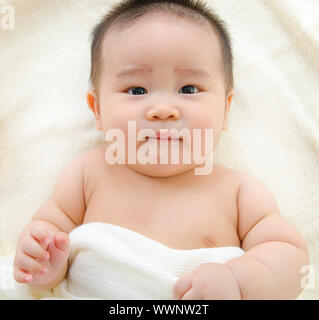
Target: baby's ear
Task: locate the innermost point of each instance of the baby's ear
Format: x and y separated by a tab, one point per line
227	108
93	104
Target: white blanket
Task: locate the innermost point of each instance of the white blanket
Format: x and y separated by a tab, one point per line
111	262
273	129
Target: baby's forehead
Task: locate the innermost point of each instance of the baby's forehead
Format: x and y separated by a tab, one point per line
116	39
168	25
175	49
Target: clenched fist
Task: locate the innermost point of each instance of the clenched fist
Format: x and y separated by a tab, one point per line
41	254
209	281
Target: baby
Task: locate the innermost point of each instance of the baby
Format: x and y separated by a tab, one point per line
144	54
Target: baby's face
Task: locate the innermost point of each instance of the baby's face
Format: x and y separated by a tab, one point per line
163	73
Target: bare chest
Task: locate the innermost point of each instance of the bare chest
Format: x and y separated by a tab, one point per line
199	217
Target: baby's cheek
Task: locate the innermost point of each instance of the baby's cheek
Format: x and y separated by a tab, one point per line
211	123
205	122
115	119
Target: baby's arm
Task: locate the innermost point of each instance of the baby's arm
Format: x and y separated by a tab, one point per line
61	212
275	250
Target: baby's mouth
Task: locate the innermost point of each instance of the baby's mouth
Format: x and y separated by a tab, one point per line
164	136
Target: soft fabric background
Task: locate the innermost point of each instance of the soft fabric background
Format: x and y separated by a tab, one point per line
273	128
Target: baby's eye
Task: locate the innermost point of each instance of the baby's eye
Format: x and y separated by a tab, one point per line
137	90
189	89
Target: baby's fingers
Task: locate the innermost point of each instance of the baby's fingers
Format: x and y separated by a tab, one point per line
183	285
28	263
40	233
59	249
192	295
62	241
32	247
21	275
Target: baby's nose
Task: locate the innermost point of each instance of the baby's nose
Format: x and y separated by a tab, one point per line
163	113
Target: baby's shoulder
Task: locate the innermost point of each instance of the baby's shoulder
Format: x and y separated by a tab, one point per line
252	192
255	201
88	163
228	174
93	157
241	177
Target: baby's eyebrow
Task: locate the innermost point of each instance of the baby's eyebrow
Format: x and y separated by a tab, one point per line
193	71
143	71
132	72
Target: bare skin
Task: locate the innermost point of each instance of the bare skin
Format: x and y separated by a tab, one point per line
189	221
197	215
168	203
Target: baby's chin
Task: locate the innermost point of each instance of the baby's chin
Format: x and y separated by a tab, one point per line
161	170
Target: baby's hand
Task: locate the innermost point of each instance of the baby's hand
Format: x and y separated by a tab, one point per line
209	281
41	254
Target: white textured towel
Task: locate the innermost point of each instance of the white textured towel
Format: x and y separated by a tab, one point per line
273	129
111	262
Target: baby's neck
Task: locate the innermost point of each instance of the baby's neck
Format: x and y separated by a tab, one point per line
182	179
